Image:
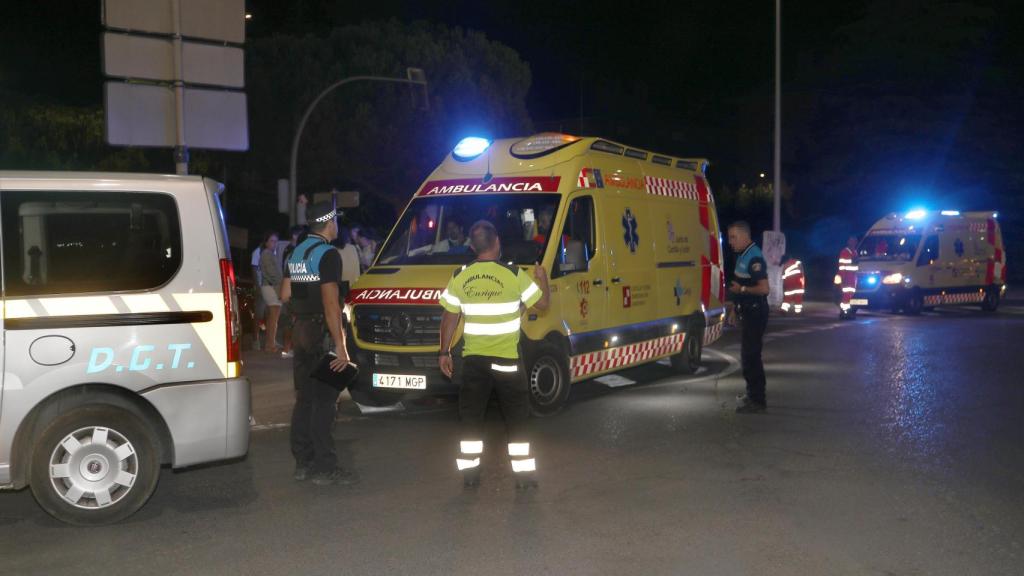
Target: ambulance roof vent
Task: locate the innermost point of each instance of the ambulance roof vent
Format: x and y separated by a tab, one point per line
541	144
638	154
663	160
605	146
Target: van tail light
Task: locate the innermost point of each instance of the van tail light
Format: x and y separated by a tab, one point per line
232	325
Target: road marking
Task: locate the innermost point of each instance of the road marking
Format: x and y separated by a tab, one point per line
259	427
614	380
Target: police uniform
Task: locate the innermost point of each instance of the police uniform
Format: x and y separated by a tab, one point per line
489	294
753	314
312	263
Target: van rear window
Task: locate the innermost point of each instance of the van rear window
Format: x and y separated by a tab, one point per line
80	242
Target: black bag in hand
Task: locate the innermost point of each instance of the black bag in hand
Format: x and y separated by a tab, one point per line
337	380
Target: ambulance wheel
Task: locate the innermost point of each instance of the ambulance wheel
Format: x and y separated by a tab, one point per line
991	301
94	465
547	373
915	303
687	361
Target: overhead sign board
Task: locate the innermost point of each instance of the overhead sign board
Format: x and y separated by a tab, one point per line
152	58
222	20
144	115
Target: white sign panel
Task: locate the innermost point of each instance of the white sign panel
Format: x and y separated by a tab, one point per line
143	115
148	58
221	20
216	119
213	65
141	57
139	115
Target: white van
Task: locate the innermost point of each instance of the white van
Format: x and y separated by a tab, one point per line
121	338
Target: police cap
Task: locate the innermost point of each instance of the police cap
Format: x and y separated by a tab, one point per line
321	213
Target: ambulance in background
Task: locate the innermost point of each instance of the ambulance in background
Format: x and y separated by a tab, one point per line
630	240
925	259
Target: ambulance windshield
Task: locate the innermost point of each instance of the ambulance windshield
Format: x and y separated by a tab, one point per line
435	229
889	247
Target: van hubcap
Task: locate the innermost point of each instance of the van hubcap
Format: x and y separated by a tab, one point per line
545	380
93	467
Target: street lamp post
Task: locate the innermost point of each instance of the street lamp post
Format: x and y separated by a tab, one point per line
777	183
413	76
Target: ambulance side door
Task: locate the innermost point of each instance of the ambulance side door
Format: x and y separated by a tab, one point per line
953	247
930	266
631	270
580	270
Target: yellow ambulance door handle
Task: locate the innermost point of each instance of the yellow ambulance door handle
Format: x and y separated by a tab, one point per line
616	280
597	282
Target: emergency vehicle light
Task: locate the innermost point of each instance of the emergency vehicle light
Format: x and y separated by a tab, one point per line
950	212
541	144
471	147
915	214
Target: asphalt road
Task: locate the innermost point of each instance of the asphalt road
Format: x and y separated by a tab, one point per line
892	445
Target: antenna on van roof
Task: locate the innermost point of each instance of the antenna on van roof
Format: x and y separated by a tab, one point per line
488	176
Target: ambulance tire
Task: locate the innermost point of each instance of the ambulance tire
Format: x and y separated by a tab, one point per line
914	304
547	377
130	448
991	301
687	361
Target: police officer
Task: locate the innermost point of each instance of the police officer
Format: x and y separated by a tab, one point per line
749	290
312	286
491	296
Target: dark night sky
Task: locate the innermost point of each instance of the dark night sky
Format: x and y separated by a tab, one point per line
682	77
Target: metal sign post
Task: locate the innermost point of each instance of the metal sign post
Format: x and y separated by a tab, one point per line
178	76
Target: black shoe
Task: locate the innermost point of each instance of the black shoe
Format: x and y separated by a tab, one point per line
301	472
750	407
336	476
742	398
471	479
527	482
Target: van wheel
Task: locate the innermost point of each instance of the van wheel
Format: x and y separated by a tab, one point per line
547	373
687	361
94	465
991	301
915	303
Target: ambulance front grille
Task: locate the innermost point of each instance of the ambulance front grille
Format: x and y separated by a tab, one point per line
398	325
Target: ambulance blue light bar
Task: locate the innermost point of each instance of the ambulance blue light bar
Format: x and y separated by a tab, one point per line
471	147
915	214
950	212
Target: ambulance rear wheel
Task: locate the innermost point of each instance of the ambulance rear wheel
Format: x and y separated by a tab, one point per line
687	361
991	301
94	465
547	373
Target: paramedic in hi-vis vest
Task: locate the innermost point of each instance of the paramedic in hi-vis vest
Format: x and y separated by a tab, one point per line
491	296
312	287
846	279
749	290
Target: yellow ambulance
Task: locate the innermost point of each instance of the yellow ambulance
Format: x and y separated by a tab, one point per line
630	240
923	259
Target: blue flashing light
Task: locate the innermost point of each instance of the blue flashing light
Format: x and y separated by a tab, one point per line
916	214
950	212
872	280
471	147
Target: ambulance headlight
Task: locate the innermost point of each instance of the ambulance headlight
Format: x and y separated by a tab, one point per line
892	278
469	148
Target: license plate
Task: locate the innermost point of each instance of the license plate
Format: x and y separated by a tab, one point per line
859	302
404	381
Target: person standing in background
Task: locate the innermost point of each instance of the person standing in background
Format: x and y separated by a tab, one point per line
350	265
270	287
367	245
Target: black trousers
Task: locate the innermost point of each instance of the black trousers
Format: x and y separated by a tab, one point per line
315	402
477	379
753	322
